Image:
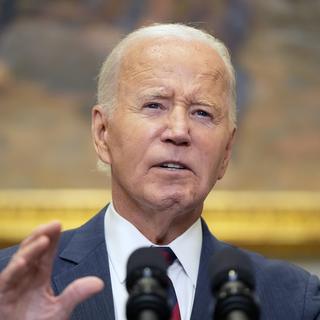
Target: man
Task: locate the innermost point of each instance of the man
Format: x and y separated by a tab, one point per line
165	123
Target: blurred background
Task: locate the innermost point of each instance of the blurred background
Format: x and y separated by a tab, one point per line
51	52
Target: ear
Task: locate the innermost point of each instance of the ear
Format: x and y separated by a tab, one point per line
99	128
227	155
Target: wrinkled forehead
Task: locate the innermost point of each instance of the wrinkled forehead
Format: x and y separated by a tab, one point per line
144	53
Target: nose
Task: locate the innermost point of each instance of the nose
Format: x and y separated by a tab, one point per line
177	127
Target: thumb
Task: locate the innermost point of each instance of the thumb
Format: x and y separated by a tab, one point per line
78	291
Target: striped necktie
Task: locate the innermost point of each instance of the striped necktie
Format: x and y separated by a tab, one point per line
170	257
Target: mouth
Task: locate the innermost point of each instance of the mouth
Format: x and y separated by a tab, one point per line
172	165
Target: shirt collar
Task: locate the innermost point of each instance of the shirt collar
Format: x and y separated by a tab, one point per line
122	238
187	248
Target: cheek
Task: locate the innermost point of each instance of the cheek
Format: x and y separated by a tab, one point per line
212	158
127	146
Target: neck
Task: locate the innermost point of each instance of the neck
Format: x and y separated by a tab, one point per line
161	225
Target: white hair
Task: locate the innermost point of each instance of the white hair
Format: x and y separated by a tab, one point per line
108	77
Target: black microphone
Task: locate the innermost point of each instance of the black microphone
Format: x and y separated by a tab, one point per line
147	284
232	284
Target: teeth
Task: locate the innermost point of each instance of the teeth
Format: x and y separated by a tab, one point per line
172	166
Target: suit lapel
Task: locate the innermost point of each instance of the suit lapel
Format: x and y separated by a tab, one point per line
86	254
203	298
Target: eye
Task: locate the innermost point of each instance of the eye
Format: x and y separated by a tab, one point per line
153	105
202	114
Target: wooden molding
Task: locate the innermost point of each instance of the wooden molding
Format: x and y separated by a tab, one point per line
285	224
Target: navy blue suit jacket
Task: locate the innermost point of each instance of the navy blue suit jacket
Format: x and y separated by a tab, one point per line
286	292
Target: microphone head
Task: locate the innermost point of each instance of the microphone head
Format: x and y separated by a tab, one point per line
230	264
147	283
146	262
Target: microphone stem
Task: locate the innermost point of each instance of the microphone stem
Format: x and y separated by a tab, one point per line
237	315
148	315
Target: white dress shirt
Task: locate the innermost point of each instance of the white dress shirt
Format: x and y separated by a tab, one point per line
122	238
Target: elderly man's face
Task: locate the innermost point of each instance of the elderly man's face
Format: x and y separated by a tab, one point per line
169	139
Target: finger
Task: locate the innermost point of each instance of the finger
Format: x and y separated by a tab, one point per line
10	273
32	263
21	263
50	229
78	291
54	234
34	250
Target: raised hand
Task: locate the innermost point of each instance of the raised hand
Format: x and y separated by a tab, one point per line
25	289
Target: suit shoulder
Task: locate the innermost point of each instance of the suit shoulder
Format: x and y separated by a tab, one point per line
6	254
277	269
284	286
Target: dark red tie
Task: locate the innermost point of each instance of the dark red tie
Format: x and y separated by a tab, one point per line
170	257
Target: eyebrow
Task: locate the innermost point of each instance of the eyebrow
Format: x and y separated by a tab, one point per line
207	103
157	93
197	97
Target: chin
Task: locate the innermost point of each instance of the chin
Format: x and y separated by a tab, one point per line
178	200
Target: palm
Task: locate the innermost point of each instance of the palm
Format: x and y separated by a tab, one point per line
25	290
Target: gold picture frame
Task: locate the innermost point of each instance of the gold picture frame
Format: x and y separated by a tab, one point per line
278	224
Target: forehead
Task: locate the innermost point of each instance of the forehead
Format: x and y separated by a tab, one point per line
168	53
